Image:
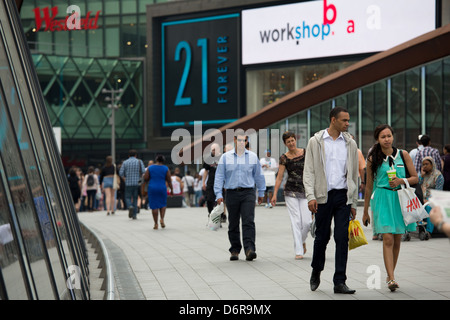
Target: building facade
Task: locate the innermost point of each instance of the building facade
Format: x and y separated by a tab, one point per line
166	57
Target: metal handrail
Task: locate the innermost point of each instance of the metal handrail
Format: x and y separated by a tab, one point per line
109	278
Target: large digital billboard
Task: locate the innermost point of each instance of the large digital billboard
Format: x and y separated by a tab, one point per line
200	70
329	28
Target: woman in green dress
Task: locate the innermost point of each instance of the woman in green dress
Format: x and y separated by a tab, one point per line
382	196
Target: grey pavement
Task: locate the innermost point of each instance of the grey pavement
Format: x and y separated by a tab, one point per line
188	261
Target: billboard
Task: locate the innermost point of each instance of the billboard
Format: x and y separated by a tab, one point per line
200	70
329	28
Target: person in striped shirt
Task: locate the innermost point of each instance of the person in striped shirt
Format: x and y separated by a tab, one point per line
132	170
427	151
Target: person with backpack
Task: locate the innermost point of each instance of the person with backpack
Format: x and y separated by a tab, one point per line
91	184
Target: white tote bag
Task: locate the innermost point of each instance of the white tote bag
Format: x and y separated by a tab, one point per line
214	217
412	208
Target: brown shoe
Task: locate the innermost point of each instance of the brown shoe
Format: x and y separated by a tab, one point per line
234	256
250	255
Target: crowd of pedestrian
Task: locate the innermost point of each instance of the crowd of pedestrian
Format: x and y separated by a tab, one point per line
320	183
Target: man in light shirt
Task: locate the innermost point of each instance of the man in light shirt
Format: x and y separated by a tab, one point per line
239	171
330	178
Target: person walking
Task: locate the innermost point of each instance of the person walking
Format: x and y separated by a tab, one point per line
75	188
427	150
132	170
188	190
414	151
387	214
238	171
293	161
197	189
157	175
91	184
177	184
330	178
270	167
107	184
210	166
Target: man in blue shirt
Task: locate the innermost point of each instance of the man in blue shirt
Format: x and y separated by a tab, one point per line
238	172
132	170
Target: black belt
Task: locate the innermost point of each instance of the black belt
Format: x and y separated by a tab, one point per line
240	189
391	189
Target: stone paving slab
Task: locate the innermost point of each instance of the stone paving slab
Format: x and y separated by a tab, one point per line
188	261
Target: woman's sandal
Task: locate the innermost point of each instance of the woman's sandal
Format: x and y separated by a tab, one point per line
392	285
155	227
162	223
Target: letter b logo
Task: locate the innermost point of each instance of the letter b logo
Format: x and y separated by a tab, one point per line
325	11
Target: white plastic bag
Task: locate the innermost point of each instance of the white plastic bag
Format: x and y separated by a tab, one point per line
214	217
412	208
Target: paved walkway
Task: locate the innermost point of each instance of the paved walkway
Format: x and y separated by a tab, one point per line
187	261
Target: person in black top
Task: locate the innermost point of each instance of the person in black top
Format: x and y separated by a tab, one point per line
210	166
75	187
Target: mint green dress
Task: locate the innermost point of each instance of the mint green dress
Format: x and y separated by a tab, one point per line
387	215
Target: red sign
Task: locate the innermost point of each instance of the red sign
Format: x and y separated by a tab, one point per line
70	22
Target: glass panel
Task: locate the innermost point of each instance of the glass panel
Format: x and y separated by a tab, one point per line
112	40
434	103
299	125
320	117
112	7
34	200
77	40
95	43
10	265
128	6
398	107
413	109
446	99
94	6
269	85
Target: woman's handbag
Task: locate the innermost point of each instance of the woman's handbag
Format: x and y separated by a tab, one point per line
356	237
417	188
412	208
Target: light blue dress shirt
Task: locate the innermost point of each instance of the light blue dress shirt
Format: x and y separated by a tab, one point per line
235	171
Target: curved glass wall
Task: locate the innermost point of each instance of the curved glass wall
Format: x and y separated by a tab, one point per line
42	253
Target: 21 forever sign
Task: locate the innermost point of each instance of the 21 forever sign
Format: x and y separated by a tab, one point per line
200	70
329	28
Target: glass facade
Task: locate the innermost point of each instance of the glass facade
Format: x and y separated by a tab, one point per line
413	102
40	238
265	86
74	65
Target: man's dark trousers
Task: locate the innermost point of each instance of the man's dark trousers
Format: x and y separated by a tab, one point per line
241	204
334	208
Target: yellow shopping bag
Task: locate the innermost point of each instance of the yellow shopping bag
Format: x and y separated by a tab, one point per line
356	235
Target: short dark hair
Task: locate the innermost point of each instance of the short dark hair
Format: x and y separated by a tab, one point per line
447	148
335	111
160	158
425	140
287	135
132	152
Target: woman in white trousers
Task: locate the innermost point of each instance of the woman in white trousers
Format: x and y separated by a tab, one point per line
293	162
